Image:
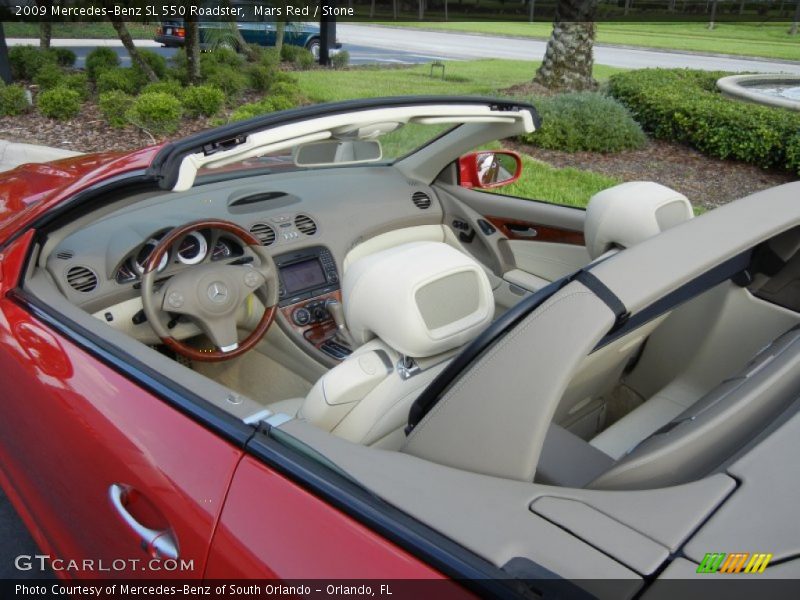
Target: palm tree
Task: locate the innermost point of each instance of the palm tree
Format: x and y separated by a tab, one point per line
125	37
45	27
568	60
192	47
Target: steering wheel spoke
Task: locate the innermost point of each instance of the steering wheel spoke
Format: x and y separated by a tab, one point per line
223	332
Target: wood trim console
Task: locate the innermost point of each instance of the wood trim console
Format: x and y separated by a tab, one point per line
544	233
315	333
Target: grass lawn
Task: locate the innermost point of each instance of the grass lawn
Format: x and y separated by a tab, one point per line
769	40
480	77
89	30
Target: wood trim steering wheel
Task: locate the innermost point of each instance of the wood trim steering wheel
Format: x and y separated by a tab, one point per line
211	294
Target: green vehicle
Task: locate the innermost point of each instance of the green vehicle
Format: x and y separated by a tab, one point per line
256	28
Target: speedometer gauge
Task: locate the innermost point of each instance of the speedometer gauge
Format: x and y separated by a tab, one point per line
144	254
193	249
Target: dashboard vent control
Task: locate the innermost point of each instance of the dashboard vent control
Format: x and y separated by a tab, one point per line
264	233
65	254
305	224
82	279
421	200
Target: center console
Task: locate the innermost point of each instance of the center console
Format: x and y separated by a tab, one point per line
308	282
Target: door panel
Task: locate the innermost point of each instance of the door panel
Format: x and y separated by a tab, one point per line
72	428
270	527
536	238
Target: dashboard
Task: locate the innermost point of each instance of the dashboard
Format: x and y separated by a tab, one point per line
309	220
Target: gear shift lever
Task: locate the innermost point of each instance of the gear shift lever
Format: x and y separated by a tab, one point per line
336	310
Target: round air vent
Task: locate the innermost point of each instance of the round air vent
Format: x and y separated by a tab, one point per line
64	254
82	279
305	224
264	233
421	200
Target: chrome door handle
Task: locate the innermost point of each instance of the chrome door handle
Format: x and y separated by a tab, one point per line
162	542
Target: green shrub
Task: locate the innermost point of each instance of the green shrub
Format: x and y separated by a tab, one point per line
585	121
119	78
49	76
59	103
27	60
77	82
222	56
269	57
284	77
256	109
232	83
157	113
685	106
304	60
156	62
286	88
341	59
13	100
113	106
169	86
261	76
793	153
64	56
203	100
100	59
289	52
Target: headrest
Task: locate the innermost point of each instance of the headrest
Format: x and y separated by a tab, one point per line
629	213
421	298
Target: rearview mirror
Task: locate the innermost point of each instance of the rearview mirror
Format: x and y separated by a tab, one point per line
489	169
337	152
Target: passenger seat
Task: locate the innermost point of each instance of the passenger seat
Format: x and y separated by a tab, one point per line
692	444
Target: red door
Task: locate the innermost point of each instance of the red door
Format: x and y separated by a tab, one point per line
272	528
102	470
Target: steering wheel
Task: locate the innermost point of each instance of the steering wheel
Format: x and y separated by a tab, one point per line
211	294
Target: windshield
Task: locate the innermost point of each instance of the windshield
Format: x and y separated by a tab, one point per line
394	145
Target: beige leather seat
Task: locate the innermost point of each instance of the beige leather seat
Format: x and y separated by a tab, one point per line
617	218
621	217
409	307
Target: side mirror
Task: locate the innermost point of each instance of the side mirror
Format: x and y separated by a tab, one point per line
489	169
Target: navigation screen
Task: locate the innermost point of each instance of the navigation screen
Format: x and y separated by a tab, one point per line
303	275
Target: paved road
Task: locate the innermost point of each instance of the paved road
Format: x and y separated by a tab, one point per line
15	541
359	54
386	45
471	46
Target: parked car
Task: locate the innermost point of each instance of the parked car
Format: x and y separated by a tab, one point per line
258	30
312	345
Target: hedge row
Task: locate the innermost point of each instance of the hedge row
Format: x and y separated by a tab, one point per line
685	106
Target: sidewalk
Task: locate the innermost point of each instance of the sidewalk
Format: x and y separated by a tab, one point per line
13	154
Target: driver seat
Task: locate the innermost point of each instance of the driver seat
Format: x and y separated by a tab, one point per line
409	308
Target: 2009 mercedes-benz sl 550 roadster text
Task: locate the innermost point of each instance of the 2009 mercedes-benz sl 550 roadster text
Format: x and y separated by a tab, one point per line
315	345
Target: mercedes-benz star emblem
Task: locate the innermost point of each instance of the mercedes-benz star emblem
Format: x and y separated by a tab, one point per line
217	292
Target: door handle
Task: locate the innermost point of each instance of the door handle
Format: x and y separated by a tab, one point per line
162	542
523	230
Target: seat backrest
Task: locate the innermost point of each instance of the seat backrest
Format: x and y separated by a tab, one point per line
708	432
631	212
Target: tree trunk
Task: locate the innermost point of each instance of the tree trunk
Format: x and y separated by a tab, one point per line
421	9
568	60
280	33
795	19
192	48
127	41
241	43
5	66
45	28
712	23
531	10
372	9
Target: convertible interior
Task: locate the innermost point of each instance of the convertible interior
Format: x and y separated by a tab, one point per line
504	370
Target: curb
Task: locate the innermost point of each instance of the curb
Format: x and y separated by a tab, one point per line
13	154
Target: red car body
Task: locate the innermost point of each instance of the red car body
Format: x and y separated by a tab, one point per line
75	422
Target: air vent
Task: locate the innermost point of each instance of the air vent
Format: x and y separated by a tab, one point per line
421	200
305	224
82	279
65	254
264	233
